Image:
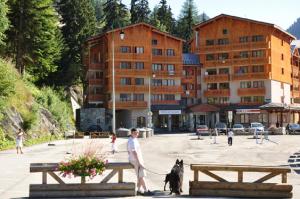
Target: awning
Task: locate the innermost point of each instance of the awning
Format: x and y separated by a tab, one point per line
203	108
280	107
247	111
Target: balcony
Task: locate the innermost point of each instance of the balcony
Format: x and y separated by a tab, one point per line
129	88
96	66
217	93
166	89
216	78
130	72
95	81
296	93
250	103
163	73
192	93
250	76
164	59
95	98
176	102
188	80
129	104
213	63
251	91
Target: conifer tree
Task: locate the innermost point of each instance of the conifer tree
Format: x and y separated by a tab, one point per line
34	37
139	11
79	23
115	14
154	20
165	16
3	20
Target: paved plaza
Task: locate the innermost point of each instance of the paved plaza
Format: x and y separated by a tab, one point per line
160	153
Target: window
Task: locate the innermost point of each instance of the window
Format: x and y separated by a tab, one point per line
245	84
125	65
125	81
211	71
170	67
242	70
156	67
282	57
259	99
210	57
258	69
246	99
154	42
139	81
139	50
282	42
222	56
212	100
224	100
138	97
225	31
244	54
245	118
224	71
141	121
169	97
224	86
156	51
125	97
170	52
156	82
282	71
212	86
191	86
258	84
139	65
95	58
210	42
168	82
244	39
257	53
96	90
125	49
224	41
99	75
257	38
156	97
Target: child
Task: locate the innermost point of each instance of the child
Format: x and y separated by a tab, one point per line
230	137
19	141
113	141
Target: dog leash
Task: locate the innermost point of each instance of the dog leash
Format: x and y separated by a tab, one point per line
161	174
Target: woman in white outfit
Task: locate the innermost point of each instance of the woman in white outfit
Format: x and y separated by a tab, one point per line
19	141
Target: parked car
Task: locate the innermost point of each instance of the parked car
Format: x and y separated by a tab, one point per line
256	127
293	129
93	129
221	127
202	130
238	128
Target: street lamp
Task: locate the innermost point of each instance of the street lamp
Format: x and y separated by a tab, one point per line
149	102
122	35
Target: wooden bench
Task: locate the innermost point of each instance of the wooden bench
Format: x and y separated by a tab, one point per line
221	187
63	190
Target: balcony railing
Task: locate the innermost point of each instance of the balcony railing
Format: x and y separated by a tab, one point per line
250	103
165	102
188	80
217	93
166	89
163	73
130	72
129	104
222	62
250	76
216	78
95	97
96	81
251	91
129	88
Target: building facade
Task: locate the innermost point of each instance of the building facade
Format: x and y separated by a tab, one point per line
246	63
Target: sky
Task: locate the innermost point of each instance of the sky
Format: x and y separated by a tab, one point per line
280	12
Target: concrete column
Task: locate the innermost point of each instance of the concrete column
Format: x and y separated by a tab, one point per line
169	123
191	122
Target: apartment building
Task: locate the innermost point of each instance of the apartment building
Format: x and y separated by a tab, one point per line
246	63
148	65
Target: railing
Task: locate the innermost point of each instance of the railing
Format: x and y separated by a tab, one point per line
129	104
250	103
222	187
96	66
129	88
166	89
217	93
130	72
96	81
96	97
223	62
154	102
250	76
216	78
188	80
251	91
164	73
64	190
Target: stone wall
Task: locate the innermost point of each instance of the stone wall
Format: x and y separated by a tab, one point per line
92	116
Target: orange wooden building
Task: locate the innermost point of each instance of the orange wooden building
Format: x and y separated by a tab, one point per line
246	63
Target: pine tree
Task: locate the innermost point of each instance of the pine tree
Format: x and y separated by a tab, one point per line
4	23
165	16
295	28
79	23
139	11
115	15
154	20
98	6
187	19
34	37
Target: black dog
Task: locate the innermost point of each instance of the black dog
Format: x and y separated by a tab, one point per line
175	178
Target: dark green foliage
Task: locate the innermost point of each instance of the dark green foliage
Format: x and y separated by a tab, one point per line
295	29
3	20
79	23
115	15
165	16
98	6
154	20
34	37
139	11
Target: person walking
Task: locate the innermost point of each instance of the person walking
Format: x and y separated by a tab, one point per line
230	137
19	141
113	143
136	159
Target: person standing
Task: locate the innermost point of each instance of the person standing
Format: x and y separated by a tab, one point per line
19	141
230	137
136	159
113	142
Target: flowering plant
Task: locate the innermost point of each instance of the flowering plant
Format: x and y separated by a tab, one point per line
87	164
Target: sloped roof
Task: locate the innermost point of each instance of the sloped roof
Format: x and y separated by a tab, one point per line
295	45
244	19
137	24
190	59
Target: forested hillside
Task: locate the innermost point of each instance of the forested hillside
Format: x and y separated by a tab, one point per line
295	29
